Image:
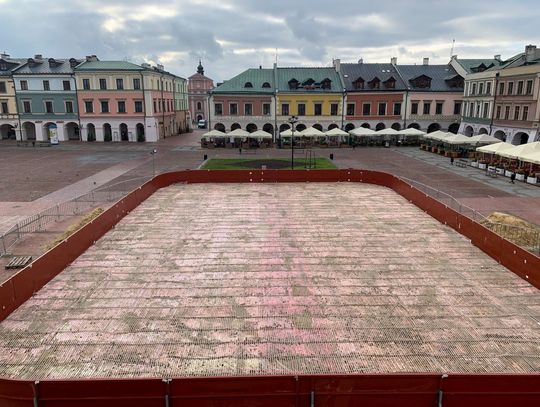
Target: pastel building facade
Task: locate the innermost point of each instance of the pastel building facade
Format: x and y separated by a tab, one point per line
199	87
47	99
9	118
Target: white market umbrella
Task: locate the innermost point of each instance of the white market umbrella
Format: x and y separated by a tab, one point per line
238	133
520	150
411	131
387	132
213	133
483	139
312	132
533	157
455	139
260	134
362	131
437	135
495	148
336	132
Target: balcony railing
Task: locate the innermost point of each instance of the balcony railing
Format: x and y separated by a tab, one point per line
435	117
478	120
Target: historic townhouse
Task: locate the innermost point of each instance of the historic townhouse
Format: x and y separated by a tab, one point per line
9	118
433	96
245	102
375	94
315	95
199	87
517	100
181	104
46	99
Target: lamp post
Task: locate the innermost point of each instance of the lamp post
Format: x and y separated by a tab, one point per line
293	120
153	152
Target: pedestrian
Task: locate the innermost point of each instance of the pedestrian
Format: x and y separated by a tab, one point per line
240	150
451	160
513	177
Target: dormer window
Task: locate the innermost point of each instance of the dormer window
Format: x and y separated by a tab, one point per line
308	82
422	82
358	83
455	82
375	83
293	84
248	85
390	83
266	85
326	83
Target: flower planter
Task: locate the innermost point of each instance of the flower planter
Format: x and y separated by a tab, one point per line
531	180
508	173
491	168
482	166
520	177
474	164
500	171
433	149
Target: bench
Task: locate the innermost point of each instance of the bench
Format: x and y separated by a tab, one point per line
462	163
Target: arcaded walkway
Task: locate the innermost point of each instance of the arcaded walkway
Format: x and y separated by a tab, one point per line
237	279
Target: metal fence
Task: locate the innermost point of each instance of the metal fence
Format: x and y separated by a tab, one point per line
74	207
527	238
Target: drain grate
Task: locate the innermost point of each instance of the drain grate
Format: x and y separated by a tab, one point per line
18	262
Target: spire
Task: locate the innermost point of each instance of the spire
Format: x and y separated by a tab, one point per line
200	68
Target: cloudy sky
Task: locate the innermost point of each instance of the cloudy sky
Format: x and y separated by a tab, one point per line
232	35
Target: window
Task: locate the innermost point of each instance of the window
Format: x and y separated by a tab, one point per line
510	88
501	88
121	106
414	108
49	107
457	107
5	108
69	106
520	88
3	87
334	109
382	109
498	116
266	85
301	109
397	108
318	109
119	83
481	88
488	88
155	108
104	106
350	109
248	109
86	84
473	89
46	85
366	109
478	110
516	113
136	84
266	109
26	107
103	83
199	106
427	107
438	108
285	109
529	87
89	106
248	85
525	113
233	109
486	110
507	112
218	109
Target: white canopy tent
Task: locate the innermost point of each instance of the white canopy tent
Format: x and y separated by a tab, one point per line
456	139
437	135
520	150
495	148
336	132
288	133
362	131
214	133
311	132
411	132
387	132
483	139
260	134
533	157
238	133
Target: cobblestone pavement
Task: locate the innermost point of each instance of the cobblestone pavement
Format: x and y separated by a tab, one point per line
275	279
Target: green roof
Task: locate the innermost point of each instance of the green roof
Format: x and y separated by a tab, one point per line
256	77
284	75
470	64
108	66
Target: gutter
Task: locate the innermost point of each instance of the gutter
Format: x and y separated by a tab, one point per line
494	101
144	105
78	108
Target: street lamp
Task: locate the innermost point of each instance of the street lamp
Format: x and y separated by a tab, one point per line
153	152
293	120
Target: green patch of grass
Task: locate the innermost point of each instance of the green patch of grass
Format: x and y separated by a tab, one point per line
271	164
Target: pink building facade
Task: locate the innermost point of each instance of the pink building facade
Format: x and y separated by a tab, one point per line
199	87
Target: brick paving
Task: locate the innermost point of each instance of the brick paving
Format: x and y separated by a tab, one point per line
275	278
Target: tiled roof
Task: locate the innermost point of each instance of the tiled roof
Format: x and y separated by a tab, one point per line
199	76
109	66
12	63
42	66
257	77
301	74
351	72
439	74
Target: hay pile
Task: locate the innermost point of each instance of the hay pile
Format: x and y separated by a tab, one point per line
73	228
514	229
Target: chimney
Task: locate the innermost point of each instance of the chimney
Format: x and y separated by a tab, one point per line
393	60
260	66
38	57
160	67
4	56
531	53
337	65
91	58
497	57
52	63
426	61
145	65
73	62
361	61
